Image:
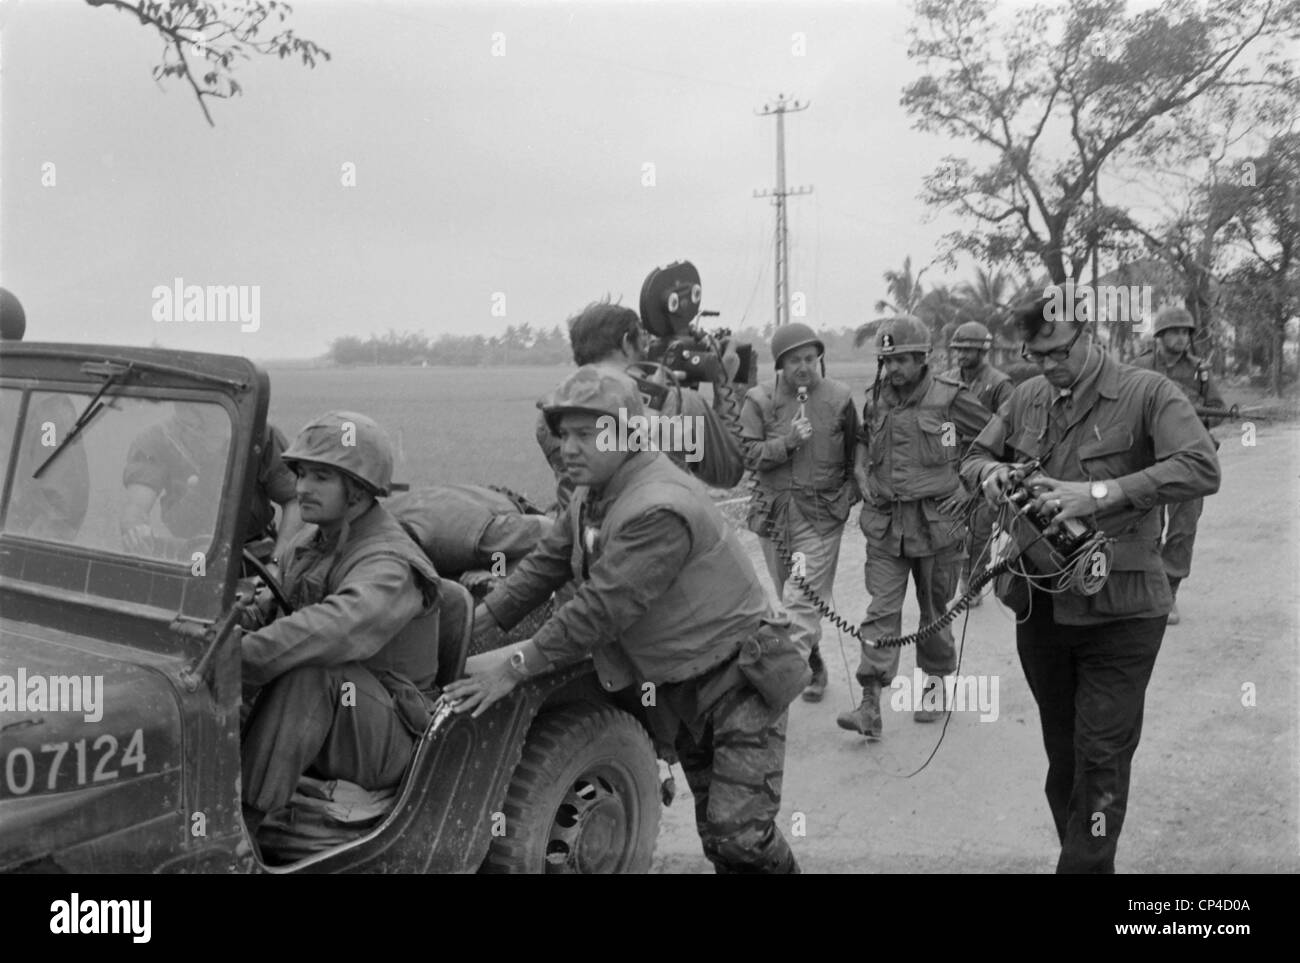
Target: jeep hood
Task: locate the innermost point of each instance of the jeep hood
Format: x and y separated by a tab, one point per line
66	779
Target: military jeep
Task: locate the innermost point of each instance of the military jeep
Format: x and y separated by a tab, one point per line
120	685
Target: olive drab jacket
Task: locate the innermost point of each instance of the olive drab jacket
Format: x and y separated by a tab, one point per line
911	448
1190	373
351	603
666	608
817	477
990	386
1123	426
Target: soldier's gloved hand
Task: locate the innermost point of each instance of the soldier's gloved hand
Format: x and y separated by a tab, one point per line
801	430
256	608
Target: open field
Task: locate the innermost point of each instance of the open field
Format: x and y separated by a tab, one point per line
450	424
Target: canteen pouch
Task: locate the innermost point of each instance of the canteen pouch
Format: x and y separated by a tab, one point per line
773	666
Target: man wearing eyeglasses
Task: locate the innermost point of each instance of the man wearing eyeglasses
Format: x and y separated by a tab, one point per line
1115	442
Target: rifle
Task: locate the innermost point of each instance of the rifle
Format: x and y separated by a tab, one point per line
1235	413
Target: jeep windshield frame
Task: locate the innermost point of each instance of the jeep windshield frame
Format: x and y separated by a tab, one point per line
63	581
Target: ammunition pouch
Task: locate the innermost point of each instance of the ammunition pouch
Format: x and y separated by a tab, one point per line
771	663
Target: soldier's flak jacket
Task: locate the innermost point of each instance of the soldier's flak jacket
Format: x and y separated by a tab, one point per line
914	445
352	597
1124	426
636	628
816	476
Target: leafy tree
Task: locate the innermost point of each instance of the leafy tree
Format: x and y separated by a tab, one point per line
1084	75
1266	230
203	38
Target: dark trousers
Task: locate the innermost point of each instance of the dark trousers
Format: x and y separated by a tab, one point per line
734	769
339	722
1090	684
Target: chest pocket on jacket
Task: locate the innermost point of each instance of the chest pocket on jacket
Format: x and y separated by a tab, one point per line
937	436
1027	440
828	443
1107	456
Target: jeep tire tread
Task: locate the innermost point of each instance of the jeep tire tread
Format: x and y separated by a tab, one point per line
584	798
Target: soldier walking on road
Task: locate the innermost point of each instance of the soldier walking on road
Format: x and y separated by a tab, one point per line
972	342
915	427
1170	355
799	436
667	600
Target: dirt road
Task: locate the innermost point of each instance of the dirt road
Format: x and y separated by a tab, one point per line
1215	785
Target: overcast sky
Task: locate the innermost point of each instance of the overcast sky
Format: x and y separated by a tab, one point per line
477	175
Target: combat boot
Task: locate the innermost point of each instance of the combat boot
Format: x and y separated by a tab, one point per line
923	714
866	717
816	688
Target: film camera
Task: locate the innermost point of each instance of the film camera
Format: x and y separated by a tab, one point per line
1072	554
670	303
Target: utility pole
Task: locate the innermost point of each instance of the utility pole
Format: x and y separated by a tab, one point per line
780	109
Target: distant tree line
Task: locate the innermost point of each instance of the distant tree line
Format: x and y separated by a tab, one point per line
525	345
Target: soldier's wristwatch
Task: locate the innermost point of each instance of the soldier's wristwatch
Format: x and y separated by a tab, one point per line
518	665
1099	491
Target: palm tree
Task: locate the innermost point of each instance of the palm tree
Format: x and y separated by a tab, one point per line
904	294
903	288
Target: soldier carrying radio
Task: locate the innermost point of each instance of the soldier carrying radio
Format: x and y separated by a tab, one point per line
1170	355
1112	443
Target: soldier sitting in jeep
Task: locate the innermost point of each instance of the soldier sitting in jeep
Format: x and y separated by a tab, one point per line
342	693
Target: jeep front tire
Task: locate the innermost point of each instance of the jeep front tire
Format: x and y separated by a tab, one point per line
584	798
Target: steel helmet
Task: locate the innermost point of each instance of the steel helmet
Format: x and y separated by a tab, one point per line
972	334
13	320
1173	317
903	334
791	336
595	389
349	442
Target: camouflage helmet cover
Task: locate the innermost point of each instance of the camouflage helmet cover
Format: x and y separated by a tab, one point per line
596	390
902	334
1173	317
972	334
793	335
349	442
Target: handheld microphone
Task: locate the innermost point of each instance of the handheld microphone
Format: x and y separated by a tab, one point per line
803	399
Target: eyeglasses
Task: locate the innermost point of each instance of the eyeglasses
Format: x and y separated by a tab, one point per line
1056	354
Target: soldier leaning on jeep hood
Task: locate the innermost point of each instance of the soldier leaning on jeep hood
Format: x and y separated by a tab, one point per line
667	598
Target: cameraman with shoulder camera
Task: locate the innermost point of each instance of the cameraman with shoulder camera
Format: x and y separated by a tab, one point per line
1114	443
610	336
